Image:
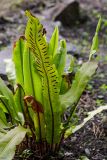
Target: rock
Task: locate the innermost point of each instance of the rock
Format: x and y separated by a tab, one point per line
100	96
74	50
87	151
3	38
6	5
35	7
4	54
69	14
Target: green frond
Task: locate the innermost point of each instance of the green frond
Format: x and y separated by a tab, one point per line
19	103
18	60
49	77
83	75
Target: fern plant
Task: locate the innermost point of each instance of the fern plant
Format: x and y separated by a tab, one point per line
42	93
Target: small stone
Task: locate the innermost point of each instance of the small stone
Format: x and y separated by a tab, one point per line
87	152
4	54
100	96
68	154
69	14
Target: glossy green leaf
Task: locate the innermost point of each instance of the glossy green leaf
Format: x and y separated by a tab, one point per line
9	142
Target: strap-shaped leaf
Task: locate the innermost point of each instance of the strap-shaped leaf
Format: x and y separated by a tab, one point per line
3	121
60	58
32	80
9	96
95	42
19	103
4	104
9	142
49	76
81	79
28	77
33	87
18	60
91	114
53	44
25	74
60	61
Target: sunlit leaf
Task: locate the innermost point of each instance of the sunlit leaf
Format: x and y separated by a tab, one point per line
49	77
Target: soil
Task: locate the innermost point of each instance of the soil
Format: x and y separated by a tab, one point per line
91	141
